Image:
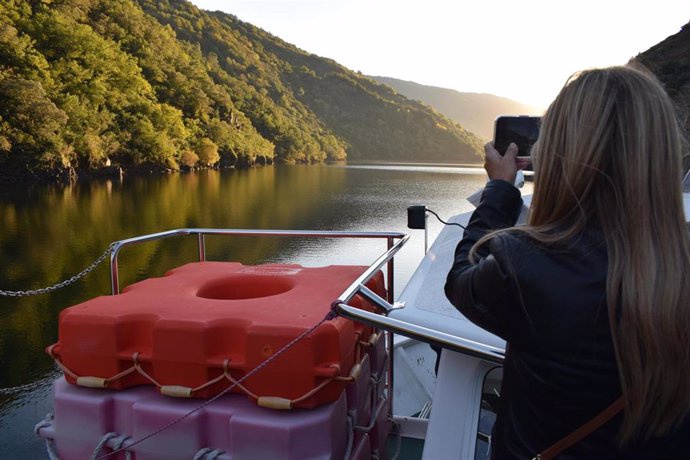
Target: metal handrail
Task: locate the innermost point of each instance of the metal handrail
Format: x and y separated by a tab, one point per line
387	257
356	286
340	306
411	330
424	334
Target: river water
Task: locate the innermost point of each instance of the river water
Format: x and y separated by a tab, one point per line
49	233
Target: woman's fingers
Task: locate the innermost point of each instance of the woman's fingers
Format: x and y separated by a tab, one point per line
522	162
501	167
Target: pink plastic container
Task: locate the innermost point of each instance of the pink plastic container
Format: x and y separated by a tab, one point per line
379	366
382	427
361	449
378	356
359	395
231	424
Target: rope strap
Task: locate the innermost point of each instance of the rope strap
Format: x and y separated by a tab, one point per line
398	436
50	450
350	438
122	443
45	423
114	441
374	418
263	364
208	454
178	391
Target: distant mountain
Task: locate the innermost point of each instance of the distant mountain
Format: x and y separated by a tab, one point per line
474	111
161	84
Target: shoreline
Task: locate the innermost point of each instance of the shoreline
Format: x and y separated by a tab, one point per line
68	176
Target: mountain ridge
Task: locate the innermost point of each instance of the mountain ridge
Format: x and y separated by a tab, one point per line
474	111
669	60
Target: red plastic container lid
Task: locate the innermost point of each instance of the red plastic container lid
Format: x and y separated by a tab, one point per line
184	328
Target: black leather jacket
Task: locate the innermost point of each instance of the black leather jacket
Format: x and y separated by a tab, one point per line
549	304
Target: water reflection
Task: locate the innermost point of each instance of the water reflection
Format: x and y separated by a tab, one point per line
49	233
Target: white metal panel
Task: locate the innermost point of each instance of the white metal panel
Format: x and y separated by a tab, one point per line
425	300
454	421
415	377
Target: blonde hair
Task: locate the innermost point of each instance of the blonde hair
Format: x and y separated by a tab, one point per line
609	155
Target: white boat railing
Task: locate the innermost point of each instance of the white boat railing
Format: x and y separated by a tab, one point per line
385	259
340	305
355	287
453	342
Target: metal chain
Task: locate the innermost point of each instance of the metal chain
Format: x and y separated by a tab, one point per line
21	388
43	382
67	282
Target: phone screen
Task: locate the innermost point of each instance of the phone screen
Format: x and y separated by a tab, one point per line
522	130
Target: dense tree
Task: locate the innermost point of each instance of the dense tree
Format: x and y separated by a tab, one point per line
207	151
33	125
162	84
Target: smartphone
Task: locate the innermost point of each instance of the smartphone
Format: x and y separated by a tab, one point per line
522	129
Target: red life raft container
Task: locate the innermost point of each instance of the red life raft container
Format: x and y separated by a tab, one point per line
206	324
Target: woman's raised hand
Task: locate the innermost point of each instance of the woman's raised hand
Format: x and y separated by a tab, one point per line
503	167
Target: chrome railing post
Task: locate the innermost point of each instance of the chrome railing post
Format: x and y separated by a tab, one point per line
391	358
391	287
389	335
114	275
202	247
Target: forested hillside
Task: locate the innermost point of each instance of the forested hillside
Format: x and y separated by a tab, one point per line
163	85
670	61
474	111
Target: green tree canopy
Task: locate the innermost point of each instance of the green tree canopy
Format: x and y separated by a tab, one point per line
144	83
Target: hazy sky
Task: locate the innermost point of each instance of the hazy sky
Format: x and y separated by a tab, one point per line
521	49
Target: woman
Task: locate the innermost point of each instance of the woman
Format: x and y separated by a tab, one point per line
593	294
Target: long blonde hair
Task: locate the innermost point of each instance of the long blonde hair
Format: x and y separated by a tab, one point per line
609	155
